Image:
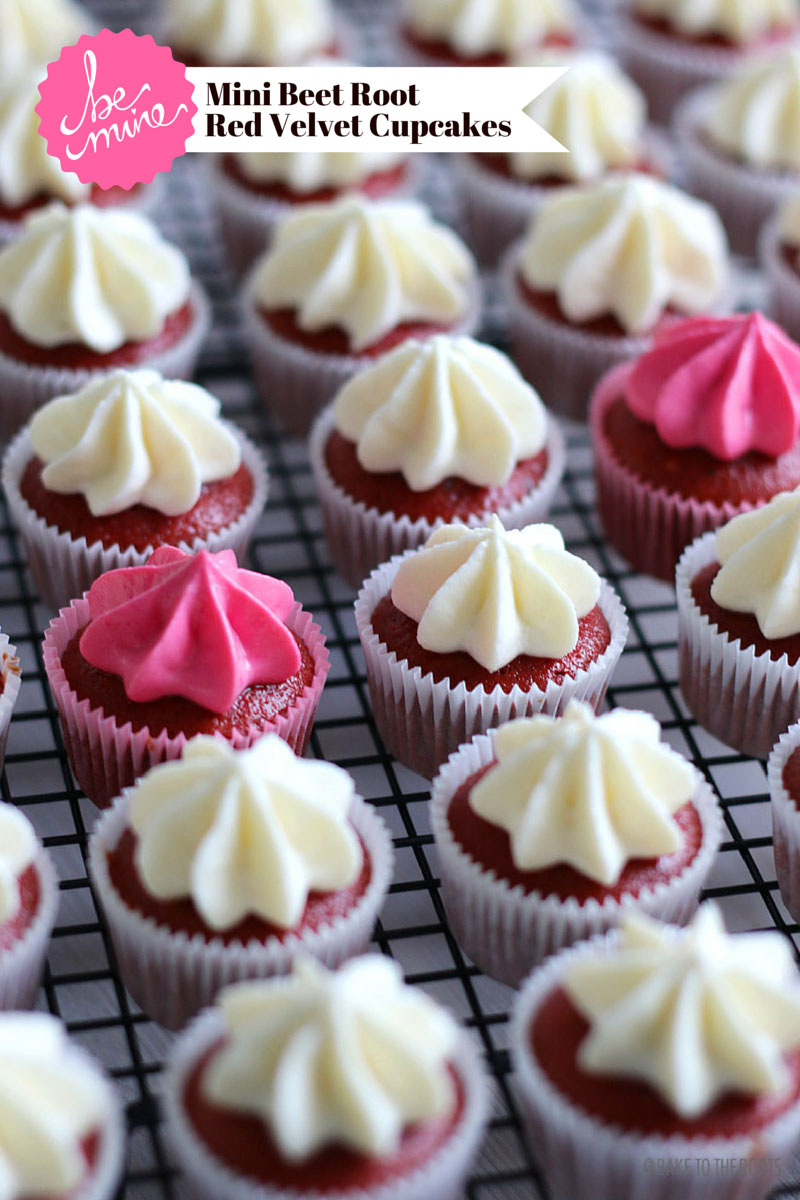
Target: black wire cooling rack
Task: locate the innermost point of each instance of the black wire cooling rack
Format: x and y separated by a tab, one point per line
81	985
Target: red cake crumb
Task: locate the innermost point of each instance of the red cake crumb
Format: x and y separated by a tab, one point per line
791	776
500	164
332	340
448	57
715	41
739	626
74	356
607	325
375	186
99	197
30	895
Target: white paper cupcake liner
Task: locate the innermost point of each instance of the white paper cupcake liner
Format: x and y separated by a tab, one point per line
21	967
296	383
360	537
144	202
423	721
506	932
747	700
24	388
582	1156
782	280
64	567
785	822
441	1178
11	676
106	757
172	976
104	1179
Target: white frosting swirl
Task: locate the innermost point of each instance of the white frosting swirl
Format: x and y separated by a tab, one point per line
736	20
760	572
278	33
630	246
593	792
132	437
249	831
349	1057
443	407
17	852
696	1013
365	268
26	169
489	26
35	31
305	171
101	277
754	114
496	593
594	110
50	1101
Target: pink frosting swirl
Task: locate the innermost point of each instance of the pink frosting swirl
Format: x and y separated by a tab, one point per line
191	625
727	385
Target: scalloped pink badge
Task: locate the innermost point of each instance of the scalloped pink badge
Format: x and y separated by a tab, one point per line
116	109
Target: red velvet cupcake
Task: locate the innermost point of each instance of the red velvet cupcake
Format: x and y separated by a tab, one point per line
28	907
656	1054
187	644
342	284
458	33
703	426
269	1095
783	773
479	626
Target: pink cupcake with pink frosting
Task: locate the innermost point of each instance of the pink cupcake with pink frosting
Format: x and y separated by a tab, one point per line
186	644
703	426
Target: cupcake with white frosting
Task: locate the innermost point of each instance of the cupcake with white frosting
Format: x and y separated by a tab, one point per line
551	829
104	476
226	865
459	33
480	626
62	1121
251	33
343	1083
84	291
343	283
780	258
662	1061
599	271
28	907
436	431
34	32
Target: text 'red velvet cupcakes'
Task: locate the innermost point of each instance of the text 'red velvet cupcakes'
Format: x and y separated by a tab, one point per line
780	258
739	626
783	773
345	1083
477	627
343	283
436	431
703	426
657	1045
459	33
600	270
227	864
186	644
132	303
28	907
548	830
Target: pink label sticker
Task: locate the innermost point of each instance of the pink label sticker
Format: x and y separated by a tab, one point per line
116	109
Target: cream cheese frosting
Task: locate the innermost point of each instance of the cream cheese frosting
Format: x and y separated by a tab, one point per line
594	110
244	832
592	792
475	28
133	437
306	171
735	20
26	169
17	852
496	593
366	268
277	33
99	277
630	246
697	1013
754	114
50	1101
759	553
35	31
448	406
350	1057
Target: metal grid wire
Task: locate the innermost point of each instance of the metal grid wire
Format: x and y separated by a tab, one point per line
80	983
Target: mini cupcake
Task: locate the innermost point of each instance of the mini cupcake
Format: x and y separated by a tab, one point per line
33	32
228	864
132	461
780	257
344	283
346	1083
703	426
187	644
548	830
783	773
662	1062
251	33
671	47
131	303
460	33
437	431
63	1126
599	271
478	627
28	907
739	626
